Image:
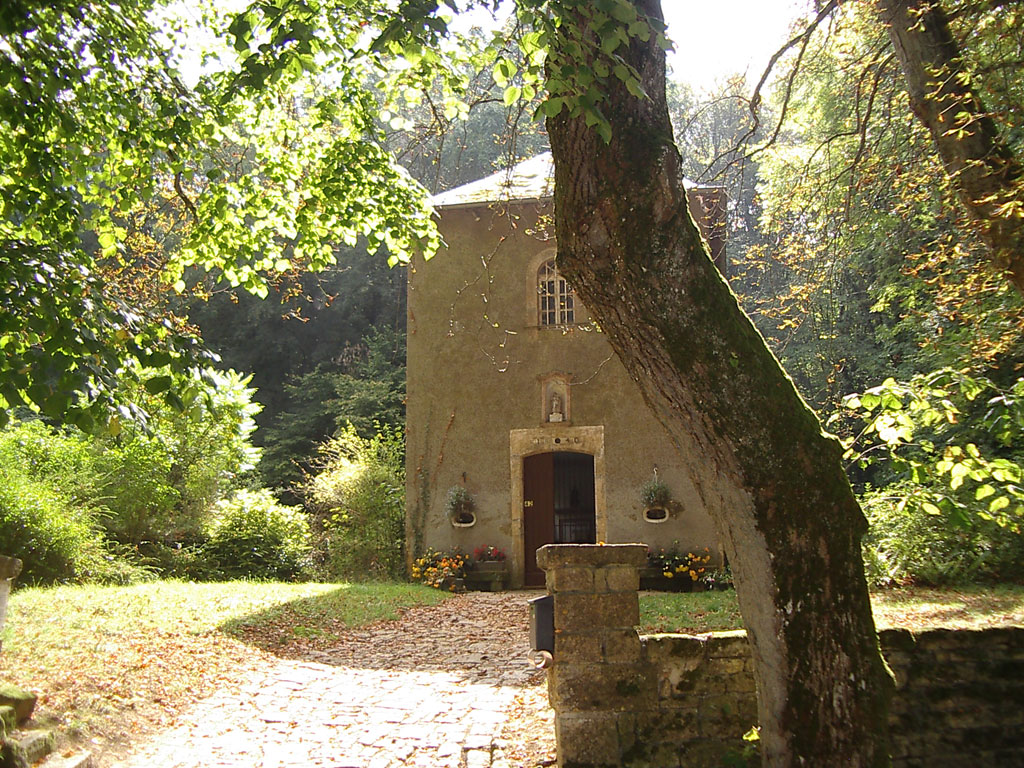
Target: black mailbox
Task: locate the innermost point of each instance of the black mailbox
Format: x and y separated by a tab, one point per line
542	623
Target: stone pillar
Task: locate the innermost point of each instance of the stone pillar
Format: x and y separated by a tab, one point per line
10	567
597	683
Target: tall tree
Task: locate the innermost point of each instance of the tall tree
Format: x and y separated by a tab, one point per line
985	171
772	480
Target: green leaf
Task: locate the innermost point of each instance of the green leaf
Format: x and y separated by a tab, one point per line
633	86
610	43
158	384
998	503
624	12
511	95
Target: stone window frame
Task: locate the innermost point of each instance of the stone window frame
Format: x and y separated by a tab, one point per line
550	286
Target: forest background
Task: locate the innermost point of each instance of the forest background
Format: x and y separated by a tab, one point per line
846	247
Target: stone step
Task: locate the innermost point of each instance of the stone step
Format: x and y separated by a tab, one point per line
35	744
75	760
22	748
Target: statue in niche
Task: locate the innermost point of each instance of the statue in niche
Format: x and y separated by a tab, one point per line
556	409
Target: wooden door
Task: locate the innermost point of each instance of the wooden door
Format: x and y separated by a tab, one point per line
538	512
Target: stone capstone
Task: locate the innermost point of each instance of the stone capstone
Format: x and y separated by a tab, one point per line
23	702
10	567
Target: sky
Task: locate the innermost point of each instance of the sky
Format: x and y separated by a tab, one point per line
713	38
716	38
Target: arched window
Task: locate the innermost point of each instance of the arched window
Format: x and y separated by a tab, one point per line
555	298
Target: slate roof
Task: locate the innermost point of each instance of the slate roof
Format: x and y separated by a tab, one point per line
529	180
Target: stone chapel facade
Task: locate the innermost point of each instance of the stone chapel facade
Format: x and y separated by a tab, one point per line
516	397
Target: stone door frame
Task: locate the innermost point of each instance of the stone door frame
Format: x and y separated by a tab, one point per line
551	438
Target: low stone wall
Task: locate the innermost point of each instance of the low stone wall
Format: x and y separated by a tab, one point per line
959	697
684	701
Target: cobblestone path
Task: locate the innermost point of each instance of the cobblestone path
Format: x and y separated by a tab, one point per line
446	686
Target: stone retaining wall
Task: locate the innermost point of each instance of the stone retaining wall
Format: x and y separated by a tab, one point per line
682	701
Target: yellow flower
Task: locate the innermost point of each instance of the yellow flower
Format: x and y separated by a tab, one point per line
667	574
693	575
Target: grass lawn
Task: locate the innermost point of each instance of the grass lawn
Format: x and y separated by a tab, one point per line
973	607
110	661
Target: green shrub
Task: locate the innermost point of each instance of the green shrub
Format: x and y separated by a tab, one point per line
945	454
152	485
57	541
358	505
161	485
62	459
188	562
909	543
133	482
253	536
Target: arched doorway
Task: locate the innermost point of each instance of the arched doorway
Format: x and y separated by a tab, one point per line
558	505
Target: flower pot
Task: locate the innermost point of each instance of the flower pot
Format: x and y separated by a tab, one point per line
653	579
488	576
490	566
453	584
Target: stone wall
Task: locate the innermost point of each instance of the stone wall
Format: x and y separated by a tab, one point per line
682	701
959	697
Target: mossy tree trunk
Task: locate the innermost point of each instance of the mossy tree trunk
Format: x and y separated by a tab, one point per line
772	480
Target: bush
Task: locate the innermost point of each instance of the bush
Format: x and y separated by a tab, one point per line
161	485
253	536
188	562
63	460
945	454
157	484
908	543
358	505
58	541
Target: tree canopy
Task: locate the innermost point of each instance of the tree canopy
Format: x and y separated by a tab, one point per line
267	170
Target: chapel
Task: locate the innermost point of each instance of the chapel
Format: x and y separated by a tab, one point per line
523	428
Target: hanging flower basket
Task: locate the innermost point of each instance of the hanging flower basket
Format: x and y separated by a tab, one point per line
460	507
655	497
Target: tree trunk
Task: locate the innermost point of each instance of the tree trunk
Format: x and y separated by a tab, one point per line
772	480
985	174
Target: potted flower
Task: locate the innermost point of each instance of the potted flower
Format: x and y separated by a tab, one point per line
717	579
674	570
459	506
655	497
441	570
489	569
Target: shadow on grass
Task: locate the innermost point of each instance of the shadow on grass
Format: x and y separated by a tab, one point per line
480	636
